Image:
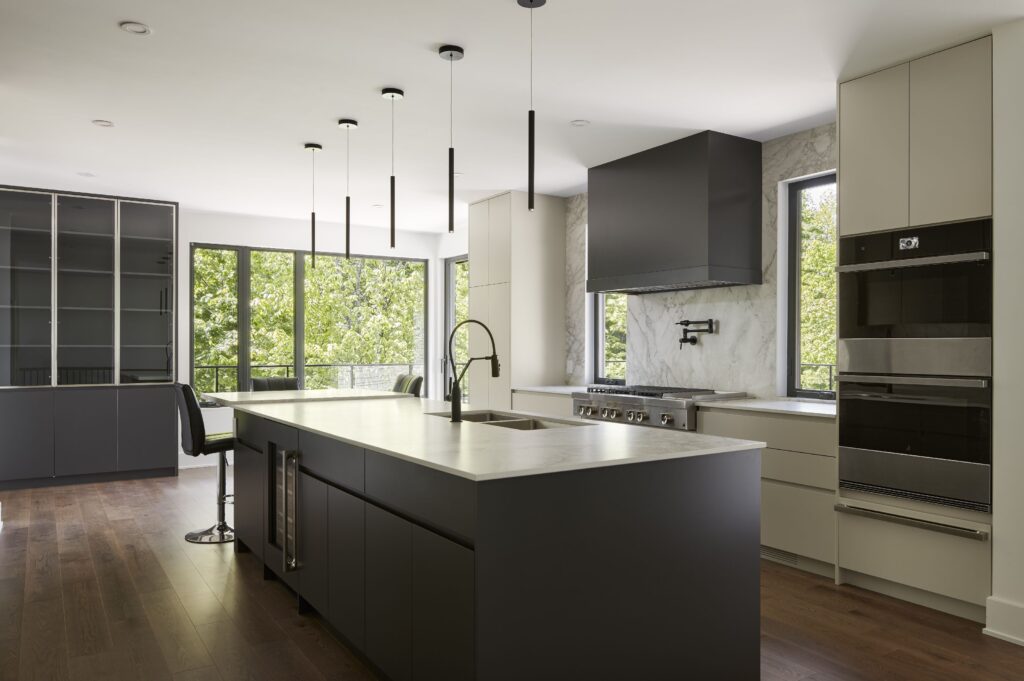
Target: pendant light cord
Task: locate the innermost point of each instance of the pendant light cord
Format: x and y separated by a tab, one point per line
531	57
451	102
312	153
348	142
392	135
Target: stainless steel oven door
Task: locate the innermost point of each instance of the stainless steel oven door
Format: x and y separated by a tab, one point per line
926	438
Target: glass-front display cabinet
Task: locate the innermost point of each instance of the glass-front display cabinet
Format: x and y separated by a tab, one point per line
26	302
86	290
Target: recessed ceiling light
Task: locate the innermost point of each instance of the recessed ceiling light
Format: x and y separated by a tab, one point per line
378	205
134	27
579	123
458	174
103	123
86	175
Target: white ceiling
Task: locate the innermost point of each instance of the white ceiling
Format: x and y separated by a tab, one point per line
212	109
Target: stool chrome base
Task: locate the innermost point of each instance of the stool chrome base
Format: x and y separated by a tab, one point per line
221	533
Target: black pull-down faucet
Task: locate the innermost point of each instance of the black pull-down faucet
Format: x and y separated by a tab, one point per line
455	393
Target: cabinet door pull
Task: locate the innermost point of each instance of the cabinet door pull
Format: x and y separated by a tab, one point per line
979	535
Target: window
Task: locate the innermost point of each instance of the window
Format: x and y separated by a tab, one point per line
346	323
365	321
812	287
271	313
215	319
610	338
456	302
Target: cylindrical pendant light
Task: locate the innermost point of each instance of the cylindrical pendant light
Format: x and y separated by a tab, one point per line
313	148
531	137
452	54
393	94
349	124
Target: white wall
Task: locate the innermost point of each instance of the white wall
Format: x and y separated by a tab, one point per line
267	232
1005	609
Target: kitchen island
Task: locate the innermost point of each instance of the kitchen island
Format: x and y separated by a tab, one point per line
538	549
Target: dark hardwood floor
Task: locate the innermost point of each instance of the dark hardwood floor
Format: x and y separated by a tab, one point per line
97	582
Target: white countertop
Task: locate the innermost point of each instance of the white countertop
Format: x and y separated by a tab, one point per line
477	451
272	396
781	405
552	389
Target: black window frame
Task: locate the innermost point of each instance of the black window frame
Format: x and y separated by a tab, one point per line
598	332
449	318
244	298
793	304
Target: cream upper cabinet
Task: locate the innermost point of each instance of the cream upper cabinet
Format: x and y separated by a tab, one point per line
479	243
951	134
479	375
499	249
500	388
874	143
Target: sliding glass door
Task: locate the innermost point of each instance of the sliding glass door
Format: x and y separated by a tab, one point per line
456	311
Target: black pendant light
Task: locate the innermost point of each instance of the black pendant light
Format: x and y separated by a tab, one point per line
393	94
313	148
349	124
531	5
452	54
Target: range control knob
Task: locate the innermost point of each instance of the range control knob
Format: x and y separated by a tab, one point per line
613	413
641	416
604	413
590	411
666	419
582	410
630	415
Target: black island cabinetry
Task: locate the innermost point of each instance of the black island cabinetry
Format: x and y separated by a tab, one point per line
647	570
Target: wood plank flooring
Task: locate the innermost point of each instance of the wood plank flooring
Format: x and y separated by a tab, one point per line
97	582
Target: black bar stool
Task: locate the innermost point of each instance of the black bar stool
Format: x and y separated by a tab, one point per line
408	383
275	383
195	442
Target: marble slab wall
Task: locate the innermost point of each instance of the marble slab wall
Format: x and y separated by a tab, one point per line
576	290
742	354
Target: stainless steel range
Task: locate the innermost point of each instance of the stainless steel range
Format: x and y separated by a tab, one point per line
646	405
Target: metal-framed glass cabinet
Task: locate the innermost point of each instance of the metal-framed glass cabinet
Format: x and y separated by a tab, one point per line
87	315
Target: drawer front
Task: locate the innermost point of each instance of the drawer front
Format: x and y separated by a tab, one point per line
332	460
435	499
558	406
800	520
793	433
928	559
812	470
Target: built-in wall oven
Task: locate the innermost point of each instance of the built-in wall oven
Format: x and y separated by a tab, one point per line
915	363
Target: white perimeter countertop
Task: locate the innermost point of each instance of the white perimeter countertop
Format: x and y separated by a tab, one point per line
406	428
567	390
818	408
271	396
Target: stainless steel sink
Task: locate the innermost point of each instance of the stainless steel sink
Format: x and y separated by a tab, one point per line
480	416
534	424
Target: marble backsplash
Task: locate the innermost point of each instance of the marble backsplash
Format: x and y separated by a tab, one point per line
742	354
576	290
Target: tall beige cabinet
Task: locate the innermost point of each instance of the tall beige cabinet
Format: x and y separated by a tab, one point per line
516	288
915	142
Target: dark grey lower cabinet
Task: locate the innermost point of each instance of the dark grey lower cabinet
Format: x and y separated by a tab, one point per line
85	431
311	543
346	546
146	424
250	476
443	608
26	424
389	593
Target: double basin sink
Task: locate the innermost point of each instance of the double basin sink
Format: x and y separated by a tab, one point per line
512	421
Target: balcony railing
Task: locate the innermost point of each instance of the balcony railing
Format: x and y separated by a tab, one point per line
224	377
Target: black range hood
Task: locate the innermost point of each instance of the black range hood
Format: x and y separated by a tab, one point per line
685	215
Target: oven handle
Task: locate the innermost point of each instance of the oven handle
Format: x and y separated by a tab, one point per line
914	380
978	535
978	256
